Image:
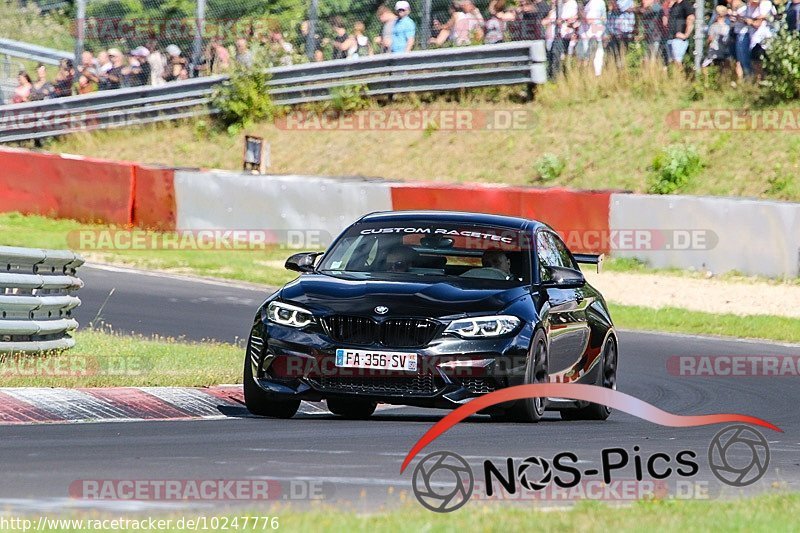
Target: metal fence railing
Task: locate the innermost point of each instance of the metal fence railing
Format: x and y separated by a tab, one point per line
36	299
521	62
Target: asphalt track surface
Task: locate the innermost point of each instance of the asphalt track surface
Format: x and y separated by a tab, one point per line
356	464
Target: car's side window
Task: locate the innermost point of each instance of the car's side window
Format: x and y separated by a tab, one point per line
548	255
563	253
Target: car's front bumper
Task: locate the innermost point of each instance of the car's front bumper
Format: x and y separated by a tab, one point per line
290	363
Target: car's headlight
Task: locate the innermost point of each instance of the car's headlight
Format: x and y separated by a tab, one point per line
483	326
289	315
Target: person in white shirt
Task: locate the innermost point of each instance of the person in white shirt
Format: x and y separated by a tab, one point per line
591	32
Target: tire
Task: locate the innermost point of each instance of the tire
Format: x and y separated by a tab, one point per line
607	377
351	409
259	402
531	410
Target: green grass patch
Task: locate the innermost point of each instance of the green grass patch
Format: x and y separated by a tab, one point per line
683	321
768	513
106	359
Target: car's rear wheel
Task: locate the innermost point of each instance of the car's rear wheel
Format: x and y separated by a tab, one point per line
536	371
607	377
351	409
259	402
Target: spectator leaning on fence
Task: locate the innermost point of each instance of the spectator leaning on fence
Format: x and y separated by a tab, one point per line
498	22
243	55
718	39
363	44
404	30
22	91
88	74
157	62
177	66
680	23
343	44
113	77
62	85
41	88
650	13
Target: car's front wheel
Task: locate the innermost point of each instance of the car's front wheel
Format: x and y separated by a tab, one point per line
536	371
351	409
259	402
607	377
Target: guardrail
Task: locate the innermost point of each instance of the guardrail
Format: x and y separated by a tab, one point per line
519	62
33	52
35	299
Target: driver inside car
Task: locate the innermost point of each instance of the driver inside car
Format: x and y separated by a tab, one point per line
399	259
495	264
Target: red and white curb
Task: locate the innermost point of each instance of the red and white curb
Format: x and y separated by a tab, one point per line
126	404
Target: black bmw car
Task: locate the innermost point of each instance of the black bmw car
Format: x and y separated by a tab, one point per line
431	309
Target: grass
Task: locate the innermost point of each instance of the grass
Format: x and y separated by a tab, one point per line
676	320
769	513
607	131
106	359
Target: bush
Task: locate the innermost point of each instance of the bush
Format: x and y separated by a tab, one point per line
348	99
673	168
549	167
244	99
782	68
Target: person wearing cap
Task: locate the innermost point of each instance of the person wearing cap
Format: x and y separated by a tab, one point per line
112	78
404	30
177	67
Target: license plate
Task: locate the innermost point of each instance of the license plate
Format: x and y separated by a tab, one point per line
376	360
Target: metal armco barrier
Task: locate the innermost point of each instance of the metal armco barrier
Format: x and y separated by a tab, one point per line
32	52
520	62
35	298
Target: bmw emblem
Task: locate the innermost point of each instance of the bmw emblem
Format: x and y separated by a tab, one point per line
381	309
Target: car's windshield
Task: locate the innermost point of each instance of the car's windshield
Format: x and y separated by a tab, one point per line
420	250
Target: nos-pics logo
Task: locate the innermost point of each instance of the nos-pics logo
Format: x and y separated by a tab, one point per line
443	481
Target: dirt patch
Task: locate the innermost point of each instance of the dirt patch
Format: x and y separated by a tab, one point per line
708	295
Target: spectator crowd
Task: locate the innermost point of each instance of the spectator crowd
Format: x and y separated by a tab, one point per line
738	35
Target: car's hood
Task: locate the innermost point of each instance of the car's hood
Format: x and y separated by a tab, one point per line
403	298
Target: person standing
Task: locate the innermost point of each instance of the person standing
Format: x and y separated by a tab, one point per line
387	18
793	16
680	23
405	29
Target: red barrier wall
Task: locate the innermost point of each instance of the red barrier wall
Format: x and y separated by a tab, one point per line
154	198
80	188
581	217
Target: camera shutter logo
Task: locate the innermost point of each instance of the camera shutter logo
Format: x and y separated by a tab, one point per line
738	455
527	473
443	482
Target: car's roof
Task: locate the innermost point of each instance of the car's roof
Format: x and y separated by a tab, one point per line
458	217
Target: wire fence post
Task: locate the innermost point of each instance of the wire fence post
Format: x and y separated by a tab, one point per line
200	24
80	32
311	41
699	32
425	34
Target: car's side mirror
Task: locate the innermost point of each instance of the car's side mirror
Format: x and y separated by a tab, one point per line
302	262
564	278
